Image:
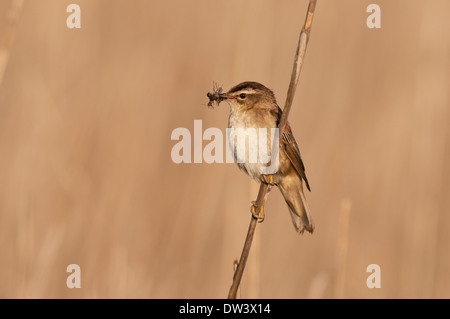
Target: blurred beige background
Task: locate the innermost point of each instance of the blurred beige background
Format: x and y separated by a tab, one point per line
86	175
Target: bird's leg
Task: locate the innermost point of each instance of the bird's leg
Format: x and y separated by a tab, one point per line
259	213
267	179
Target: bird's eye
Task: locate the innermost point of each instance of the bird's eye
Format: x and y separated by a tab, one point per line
243	95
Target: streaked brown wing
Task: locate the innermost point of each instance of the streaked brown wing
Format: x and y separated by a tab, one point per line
293	153
290	146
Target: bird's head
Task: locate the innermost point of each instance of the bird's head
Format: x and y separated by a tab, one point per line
249	95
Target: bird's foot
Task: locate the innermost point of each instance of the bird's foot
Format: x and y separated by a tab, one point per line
259	215
267	179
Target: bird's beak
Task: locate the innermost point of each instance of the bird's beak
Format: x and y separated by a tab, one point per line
226	96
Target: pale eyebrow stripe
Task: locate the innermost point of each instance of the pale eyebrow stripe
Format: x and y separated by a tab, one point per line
246	91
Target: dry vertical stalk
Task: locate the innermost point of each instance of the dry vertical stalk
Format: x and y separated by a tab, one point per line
248	243
298	62
12	17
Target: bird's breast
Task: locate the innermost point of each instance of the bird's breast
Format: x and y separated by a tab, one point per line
249	139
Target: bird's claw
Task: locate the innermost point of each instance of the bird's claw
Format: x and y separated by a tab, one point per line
258	215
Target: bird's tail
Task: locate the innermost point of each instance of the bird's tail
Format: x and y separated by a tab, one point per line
298	208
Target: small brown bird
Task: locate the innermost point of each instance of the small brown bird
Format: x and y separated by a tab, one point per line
252	105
